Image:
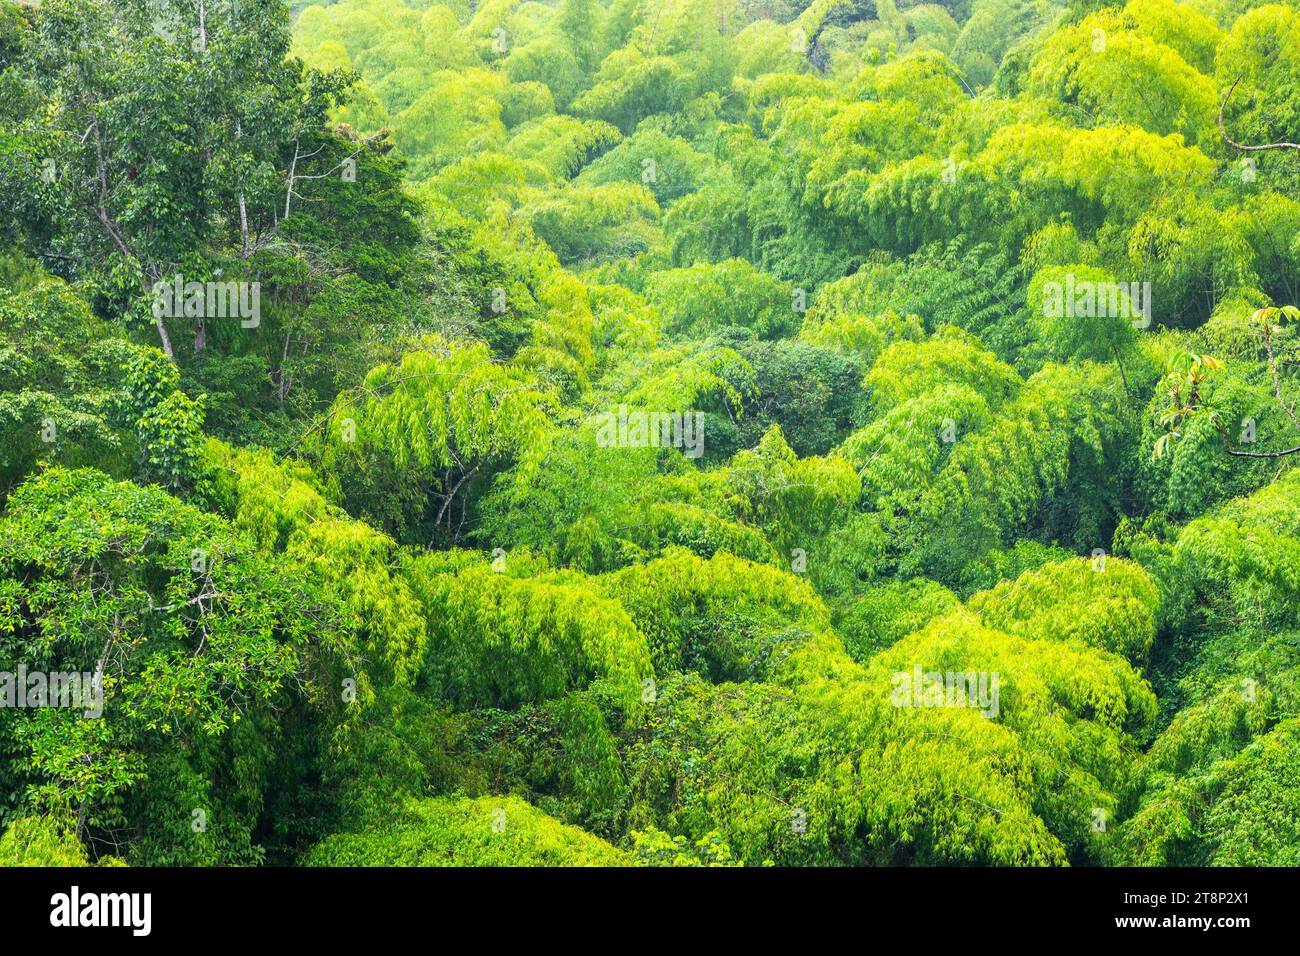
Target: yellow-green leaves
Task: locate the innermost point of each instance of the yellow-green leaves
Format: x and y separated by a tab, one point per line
486	831
676	600
277	505
430	425
1105	602
1124	75
499	641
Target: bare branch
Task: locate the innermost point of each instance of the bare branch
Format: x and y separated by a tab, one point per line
1241	146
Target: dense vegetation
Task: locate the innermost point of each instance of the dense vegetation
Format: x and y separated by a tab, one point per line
401	568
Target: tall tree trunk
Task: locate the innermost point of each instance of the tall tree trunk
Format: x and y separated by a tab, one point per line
165	339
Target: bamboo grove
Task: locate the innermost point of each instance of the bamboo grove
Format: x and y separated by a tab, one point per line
619	420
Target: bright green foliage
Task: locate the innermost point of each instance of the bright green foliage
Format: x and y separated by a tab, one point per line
498	641
668	165
644	396
704	298
560	352
1187	247
676	601
1127	75
1214	788
578	508
41	841
433	422
458	108
1076	710
1007	564
653	847
1107	602
487	831
545	61
943	470
594	510
902	448
1245	554
1260	51
907	370
170	424
889	612
1094	332
1254	820
686	376
61	397
278	506
561	144
588	224
191	632
1068	424
986	36
789	497
631	87
878	784
1215	799
856	332
1022	174
703	531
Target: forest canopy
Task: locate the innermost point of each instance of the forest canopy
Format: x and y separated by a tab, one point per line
649	432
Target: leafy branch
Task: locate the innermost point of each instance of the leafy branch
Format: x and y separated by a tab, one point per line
1188	372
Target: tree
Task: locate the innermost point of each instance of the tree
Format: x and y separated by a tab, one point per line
431	424
171	126
184	635
1186	379
497	831
707	298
